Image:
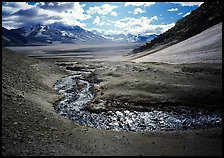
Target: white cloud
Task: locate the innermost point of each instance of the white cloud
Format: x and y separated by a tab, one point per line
51	4
172	10
140	25
151	29
100	21
138	11
71	22
125	29
113	13
180	13
188	3
103	9
22	14
145	4
96	21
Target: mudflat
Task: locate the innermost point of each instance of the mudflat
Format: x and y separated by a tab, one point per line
30	125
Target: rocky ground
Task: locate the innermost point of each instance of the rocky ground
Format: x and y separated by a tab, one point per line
30	126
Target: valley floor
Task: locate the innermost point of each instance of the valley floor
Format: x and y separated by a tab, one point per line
30	126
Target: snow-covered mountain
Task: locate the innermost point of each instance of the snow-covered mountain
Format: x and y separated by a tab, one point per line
58	33
61	33
127	38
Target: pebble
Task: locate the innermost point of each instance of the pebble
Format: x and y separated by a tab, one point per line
85	130
3	149
53	128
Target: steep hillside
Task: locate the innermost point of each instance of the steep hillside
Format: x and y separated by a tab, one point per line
205	47
207	15
12	38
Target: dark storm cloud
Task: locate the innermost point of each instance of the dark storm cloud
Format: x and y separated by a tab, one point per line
56	6
29	12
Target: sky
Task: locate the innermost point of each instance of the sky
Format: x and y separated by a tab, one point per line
105	17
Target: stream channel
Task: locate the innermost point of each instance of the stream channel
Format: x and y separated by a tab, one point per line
78	93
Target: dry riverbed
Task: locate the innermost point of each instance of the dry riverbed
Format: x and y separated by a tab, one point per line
30	125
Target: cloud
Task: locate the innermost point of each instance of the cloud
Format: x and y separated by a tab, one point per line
152	29
113	13
138	11
56	6
100	21
96	21
103	9
180	13
51	4
172	10
24	14
188	3
140	25
29	12
145	4
17	5
9	8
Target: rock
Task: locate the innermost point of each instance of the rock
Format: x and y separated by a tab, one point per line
18	132
86	129
8	95
19	96
3	149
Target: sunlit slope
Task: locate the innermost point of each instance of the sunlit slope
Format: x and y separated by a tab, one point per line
205	47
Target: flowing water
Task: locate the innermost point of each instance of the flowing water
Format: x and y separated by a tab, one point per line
78	93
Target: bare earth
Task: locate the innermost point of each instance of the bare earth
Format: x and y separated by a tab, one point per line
206	47
30	126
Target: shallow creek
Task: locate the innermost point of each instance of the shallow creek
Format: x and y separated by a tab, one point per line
78	94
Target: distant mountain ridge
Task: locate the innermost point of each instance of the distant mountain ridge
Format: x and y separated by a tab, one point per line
52	33
205	16
131	38
128	37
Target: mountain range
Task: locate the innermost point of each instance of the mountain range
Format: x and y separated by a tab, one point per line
52	33
60	33
127	37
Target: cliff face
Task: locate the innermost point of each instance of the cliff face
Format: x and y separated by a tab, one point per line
205	16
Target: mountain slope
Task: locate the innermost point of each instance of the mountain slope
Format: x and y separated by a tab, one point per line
56	33
205	16
205	47
12	38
